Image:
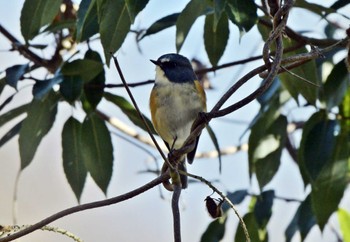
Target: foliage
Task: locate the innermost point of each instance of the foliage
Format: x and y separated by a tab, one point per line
322	154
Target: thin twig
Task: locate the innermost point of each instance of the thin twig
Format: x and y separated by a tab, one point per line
176	212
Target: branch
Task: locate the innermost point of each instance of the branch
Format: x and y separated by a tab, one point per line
82	207
176	212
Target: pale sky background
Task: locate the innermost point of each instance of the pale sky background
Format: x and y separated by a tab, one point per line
43	188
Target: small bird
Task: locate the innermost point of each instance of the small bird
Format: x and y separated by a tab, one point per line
175	102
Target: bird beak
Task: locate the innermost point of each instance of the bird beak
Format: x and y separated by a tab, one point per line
157	63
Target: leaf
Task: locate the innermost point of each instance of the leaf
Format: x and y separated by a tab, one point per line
14	73
242	13
328	188
266	142
316	145
263	208
114	23
129	111
215	230
235	197
73	163
215	37
7	101
71	88
93	89
2	85
87	21
344	109
41	88
256	234
161	24
9	115
40	118
215	142
339	4
134	7
336	85
35	14
302	221
97	150
11	133
219	8
313	7
87	69
60	25
187	17
344	221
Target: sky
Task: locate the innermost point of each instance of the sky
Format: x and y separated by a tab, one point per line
42	187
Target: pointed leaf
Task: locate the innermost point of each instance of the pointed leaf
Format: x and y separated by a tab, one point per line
37	13
87	21
14	73
73	163
215	230
266	142
129	111
302	221
161	24
115	24
336	85
41	88
134	7
87	69
97	150
93	89
344	221
263	208
187	17
339	4
9	115
242	13
11	133
317	145
235	197
40	118
215	142
215	37
328	189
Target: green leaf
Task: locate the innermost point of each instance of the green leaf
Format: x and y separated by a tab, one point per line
236	197
336	85
134	7
266	142
9	115
2	85
11	133
344	221
60	25
87	21
93	89
328	188
161	24
302	221
215	37
40	118
215	230
313	7
256	234
71	88
344	109
14	73
339	4
114	23
263	208
187	17
242	13
317	145
215	142
129	111
41	88
97	150
35	14
87	69
73	163
219	7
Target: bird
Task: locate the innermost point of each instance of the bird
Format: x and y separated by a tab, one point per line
176	99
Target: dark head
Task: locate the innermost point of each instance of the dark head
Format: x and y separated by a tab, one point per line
176	68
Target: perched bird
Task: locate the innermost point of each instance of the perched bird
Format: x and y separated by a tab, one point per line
176	99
